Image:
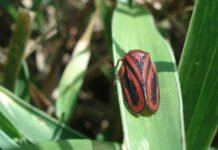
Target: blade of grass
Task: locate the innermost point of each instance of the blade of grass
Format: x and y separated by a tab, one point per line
39	15
22	83
212	148
8	128
9	8
72	145
134	28
35	125
198	75
6	142
17	46
106	11
72	78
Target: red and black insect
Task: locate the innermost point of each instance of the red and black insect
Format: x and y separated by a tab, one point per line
139	81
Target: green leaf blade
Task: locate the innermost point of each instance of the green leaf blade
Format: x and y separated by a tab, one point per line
32	123
133	28
7	127
198	75
22	83
72	145
9	8
6	142
17	47
74	73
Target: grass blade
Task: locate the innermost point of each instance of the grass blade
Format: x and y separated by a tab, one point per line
6	142
22	83
73	75
8	128
198	75
17	46
32	123
9	8
134	28
73	144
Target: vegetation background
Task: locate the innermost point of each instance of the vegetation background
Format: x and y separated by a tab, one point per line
57	78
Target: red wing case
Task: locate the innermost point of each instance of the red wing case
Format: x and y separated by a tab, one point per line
139	81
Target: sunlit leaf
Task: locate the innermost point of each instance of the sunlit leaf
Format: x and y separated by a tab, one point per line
72	78
72	145
35	125
134	28
8	128
6	142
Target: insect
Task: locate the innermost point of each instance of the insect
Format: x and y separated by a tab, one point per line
139	81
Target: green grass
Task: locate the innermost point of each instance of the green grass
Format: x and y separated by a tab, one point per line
72	144
23	126
33	124
198	75
17	47
73	75
134	28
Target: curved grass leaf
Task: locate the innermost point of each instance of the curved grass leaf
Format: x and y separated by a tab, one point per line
31	122
198	75
72	145
8	128
106	12
17	46
6	142
134	28
9	8
73	75
22	83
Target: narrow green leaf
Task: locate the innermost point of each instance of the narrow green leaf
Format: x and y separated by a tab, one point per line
134	28
72	145
212	148
9	8
40	18
130	2
31	122
198	75
17	46
6	142
73	75
22	83
106	12
8	128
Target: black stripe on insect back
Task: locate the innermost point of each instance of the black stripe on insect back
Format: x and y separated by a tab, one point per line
154	87
131	88
145	82
139	66
147	73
